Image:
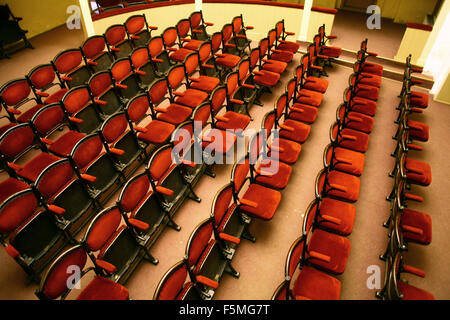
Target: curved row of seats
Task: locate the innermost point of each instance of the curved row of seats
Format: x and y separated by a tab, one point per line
405	224
255	184
105	156
108	5
322	250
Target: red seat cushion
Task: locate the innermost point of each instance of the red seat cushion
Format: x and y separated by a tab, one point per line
313	98
299	133
341	210
64	145
222	142
359	121
315	84
267	201
364	106
205	83
349	182
175	114
316	285
180	54
419	130
307	114
228	60
369	79
103	289
27	115
285	56
35	166
55	97
289	150
419	99
280	174
332	52
289	46
348	161
268	79
410	292
334	246
193	44
423	176
368	92
373	68
236	121
275	66
360	144
192	98
157	132
419	220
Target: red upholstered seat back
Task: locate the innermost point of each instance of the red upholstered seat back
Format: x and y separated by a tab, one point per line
135	24
68	60
114	127
176	76
93	46
221	203
240	172
55	284
216	41
16	139
87	149
54	177
155	46
204	51
183	27
115	34
161	163
280	105
140	57
290	88
41	76
202	113
120	69
196	19
48	118
237	24
158	91
170	36
137	107
76	99
199	241
243	68
15	91
134	191
294	256
102	228
232	83
100	82
227	32
191	63
173	282
218	97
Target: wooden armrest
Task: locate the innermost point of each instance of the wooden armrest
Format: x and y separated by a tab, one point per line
157	60
12	252
101	102
133	36
250	86
338	187
207	282
140	129
14	166
320	256
371	53
237	101
415	147
348	137
139	224
285	127
140	72
188	163
122	86
413	270
108	267
412	229
14	111
115	49
116	151
409	196
229	238
331	219
76	120
65	78
248	203
47	141
88	177
42	94
208	66
165	191
55	209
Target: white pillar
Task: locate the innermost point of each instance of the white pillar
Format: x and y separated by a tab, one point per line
198	5
88	25
303	34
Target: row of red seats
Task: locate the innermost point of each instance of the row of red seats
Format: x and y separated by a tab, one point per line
405	224
108	5
149	200
73	176
256	180
323	249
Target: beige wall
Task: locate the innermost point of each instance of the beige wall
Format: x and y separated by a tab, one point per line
40	15
413	42
403	11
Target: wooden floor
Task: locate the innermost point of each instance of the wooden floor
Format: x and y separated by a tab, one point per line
261	264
